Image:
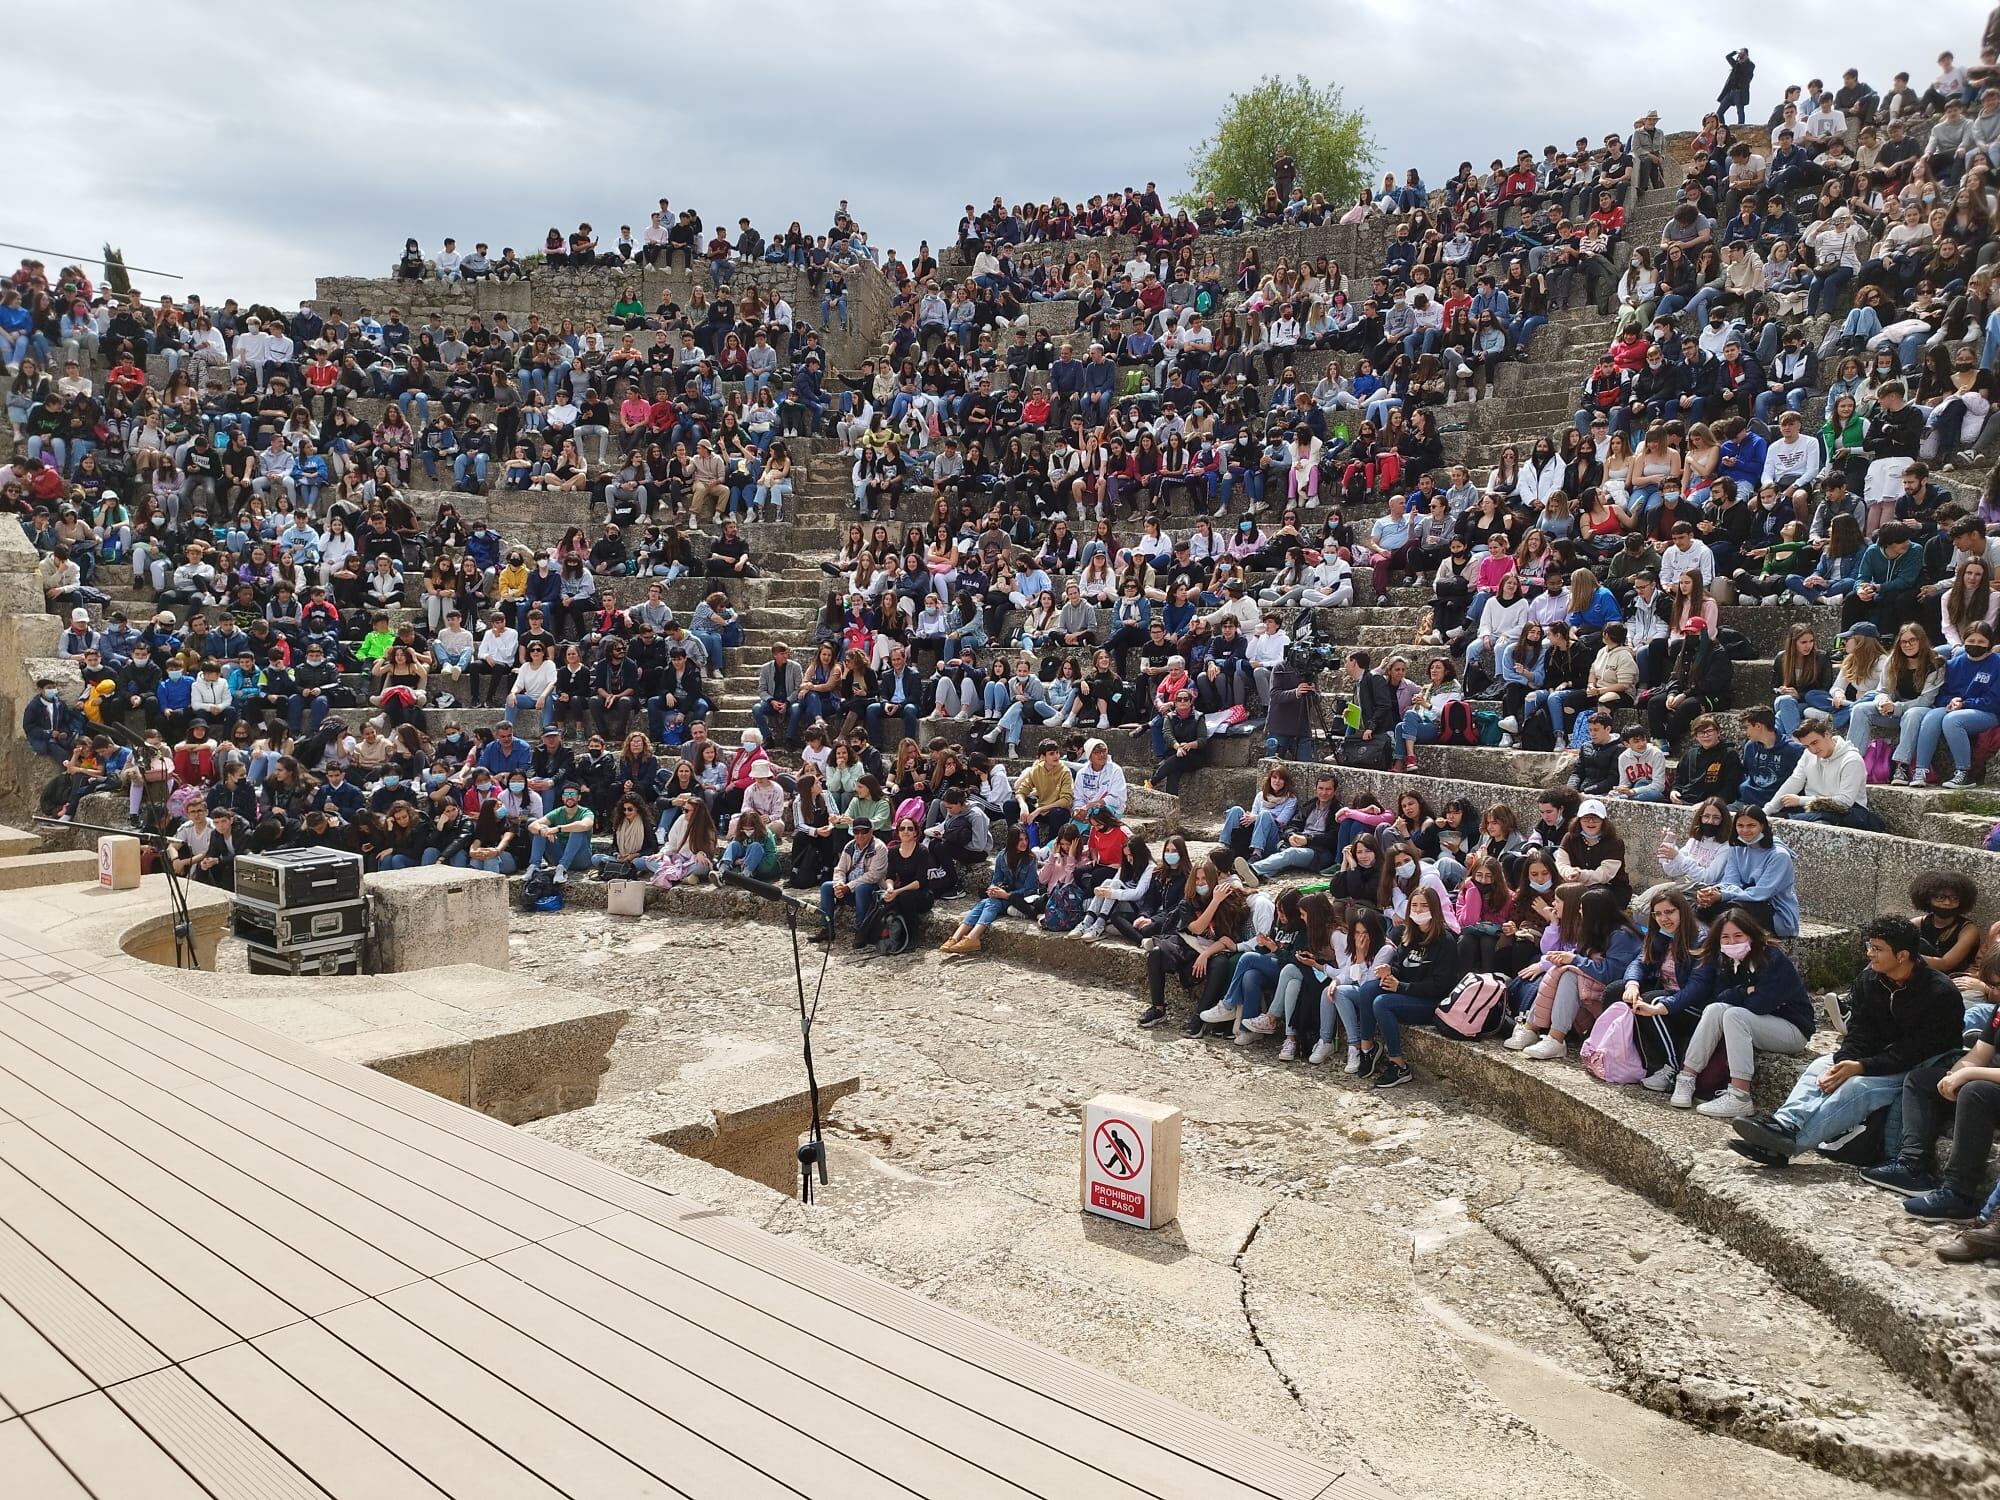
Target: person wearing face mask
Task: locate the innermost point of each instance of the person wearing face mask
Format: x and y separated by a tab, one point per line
49	724
1671	939
1968	705
1901	1013
1196	943
1697	860
1748	998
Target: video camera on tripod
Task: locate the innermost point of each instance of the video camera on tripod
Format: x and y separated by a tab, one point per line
1307	654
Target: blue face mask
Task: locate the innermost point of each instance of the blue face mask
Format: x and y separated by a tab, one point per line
1172	857
1540	885
392	780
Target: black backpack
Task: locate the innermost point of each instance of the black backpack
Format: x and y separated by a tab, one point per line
1537	733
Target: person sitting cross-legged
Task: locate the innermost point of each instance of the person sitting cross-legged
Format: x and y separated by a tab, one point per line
857	879
1901	1012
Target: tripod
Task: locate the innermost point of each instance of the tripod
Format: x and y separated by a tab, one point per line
185	956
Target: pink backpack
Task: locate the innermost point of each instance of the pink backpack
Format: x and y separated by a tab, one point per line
1469	1010
910	807
1612	1052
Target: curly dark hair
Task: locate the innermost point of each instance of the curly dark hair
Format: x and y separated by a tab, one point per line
1897	934
1930	884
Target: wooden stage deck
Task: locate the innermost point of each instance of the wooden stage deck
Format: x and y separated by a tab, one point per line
233	1267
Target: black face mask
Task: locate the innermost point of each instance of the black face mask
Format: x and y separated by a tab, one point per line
1977	650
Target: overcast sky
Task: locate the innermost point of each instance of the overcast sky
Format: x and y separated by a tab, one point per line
250	147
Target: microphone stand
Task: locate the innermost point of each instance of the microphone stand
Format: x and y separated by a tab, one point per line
812	1151
185	956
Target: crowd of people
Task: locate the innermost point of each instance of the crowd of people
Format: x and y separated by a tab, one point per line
1061	534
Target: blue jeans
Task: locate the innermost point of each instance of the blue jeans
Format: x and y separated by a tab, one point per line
1796	582
1826	289
1010	721
1255	974
996	698
863	896
1355	1005
1811	1117
1393	1009
1788	711
878	712
1413	731
475	464
499	864
518	701
398	861
1264	829
985	912
458	861
749	858
575	851
1919	741
1286	860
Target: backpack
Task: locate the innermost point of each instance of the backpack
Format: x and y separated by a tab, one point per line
1064	908
1864	1145
1537	733
1611	1052
1876	761
1364	755
887	933
1455	725
538	888
1486	726
1473	1007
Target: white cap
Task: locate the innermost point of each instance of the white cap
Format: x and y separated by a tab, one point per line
1590	807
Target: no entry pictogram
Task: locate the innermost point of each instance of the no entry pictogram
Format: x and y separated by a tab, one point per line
1119	1150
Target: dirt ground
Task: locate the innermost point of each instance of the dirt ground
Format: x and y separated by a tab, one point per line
1389	1279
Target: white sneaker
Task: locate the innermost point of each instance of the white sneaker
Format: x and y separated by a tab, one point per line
1084	929
1289	1049
1472	395
1353	1060
1247	875
1264	1025
1510	725
1451	398
1524	1036
1321	1053
1219	1014
1663	1080
562	875
1243	1036
1683	1091
1548	1049
1731	1104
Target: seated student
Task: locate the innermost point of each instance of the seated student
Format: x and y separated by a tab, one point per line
1697	860
1404	872
1900	1012
913	876
1829	784
1968	704
1697	683
1127	887
1569	993
1012	881
1950	937
752	848
1670	941
1767	756
1408	983
1708	768
1642	768
1258	965
569	824
1045	790
1964	1087
632	838
1595	769
1181	738
1908	678
1307	840
1757	875
1592	853
1199	947
1253	832
1748	997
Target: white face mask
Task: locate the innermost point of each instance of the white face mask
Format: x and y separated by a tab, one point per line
1736	951
1404	869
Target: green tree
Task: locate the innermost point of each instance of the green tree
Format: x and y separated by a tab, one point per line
1328	142
115	278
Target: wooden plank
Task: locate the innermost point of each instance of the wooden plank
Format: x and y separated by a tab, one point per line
795	1453
109	1453
338	1456
91	1088
223	1292
157	1311
569	1184
210	1441
283	1267
31	1469
33	1372
711	1445
448	1454
86	1332
345	1255
1035	1415
797	1381
571	1460
32	1017
21	1101
1156	1421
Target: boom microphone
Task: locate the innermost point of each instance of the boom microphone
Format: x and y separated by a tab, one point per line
755	887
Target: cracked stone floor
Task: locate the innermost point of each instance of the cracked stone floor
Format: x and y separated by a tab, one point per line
1332	1282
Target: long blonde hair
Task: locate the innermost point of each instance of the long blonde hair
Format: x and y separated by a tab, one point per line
1582	586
